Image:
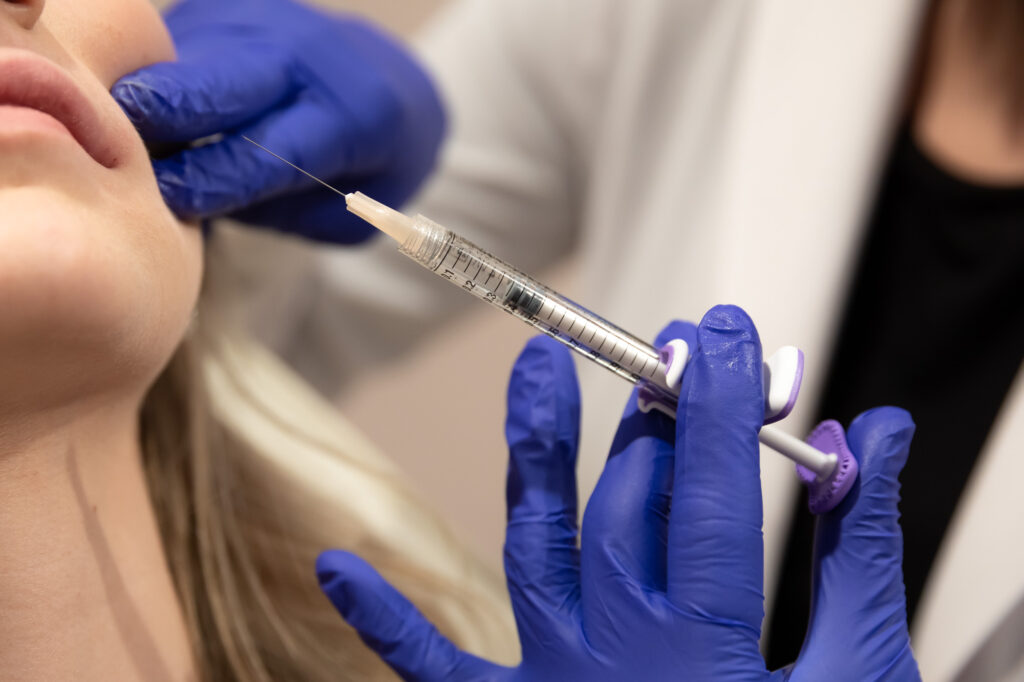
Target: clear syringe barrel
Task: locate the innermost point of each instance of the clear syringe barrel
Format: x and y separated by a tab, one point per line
503	286
492	280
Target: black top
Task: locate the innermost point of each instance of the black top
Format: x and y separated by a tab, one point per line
934	324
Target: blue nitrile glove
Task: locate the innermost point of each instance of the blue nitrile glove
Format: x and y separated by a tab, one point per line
858	626
667	582
329	93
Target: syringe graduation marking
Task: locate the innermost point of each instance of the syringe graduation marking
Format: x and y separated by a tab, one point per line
556	318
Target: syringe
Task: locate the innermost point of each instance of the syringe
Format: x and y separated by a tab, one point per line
492	280
658	373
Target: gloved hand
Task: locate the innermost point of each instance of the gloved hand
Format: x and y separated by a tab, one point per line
858	623
667	583
329	93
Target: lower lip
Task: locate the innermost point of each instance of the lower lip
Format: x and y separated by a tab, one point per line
15	120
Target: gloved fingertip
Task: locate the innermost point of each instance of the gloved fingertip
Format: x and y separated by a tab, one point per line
326	567
542	348
543	404
726	370
543	364
385	619
126	94
120	90
727	321
677	329
336	570
177	195
885	431
886	419
143	104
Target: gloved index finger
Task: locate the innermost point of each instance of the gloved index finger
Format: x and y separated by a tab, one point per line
213	88
542	430
715	562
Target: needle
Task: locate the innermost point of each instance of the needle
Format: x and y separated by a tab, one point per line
307	174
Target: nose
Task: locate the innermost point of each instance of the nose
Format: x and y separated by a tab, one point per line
24	12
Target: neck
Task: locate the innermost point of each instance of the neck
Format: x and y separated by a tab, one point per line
963	116
85	592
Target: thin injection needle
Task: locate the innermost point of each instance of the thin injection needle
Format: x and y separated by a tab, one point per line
306	173
385	219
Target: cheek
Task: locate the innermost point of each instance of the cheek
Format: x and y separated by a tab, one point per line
90	303
109	37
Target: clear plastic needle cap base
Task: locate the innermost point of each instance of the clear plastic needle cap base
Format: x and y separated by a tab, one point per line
396	225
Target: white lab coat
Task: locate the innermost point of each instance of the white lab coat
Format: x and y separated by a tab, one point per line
695	152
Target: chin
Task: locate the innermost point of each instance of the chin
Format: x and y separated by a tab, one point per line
96	294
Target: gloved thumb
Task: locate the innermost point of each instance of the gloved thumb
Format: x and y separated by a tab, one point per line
858	605
390	625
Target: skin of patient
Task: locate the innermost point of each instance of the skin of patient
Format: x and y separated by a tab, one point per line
98	283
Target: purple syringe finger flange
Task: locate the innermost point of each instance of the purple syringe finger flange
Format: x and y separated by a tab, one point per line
783	373
825	495
672	359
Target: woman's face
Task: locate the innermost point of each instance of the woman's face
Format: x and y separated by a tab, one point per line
97	278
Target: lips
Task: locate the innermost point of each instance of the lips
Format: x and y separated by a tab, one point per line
27	80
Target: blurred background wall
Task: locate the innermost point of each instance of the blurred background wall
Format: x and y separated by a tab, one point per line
401	16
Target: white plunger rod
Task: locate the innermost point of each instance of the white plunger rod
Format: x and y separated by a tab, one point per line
800	452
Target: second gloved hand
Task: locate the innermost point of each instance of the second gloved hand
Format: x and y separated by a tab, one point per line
330	93
667	581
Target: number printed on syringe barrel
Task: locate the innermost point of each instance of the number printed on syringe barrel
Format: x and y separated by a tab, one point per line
501	285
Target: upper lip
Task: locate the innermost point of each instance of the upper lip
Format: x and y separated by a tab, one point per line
30	81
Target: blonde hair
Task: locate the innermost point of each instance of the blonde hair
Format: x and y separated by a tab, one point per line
252	475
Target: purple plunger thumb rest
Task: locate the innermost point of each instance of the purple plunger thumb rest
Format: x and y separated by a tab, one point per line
783	375
826	495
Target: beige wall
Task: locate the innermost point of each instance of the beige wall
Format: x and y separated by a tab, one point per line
401	16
